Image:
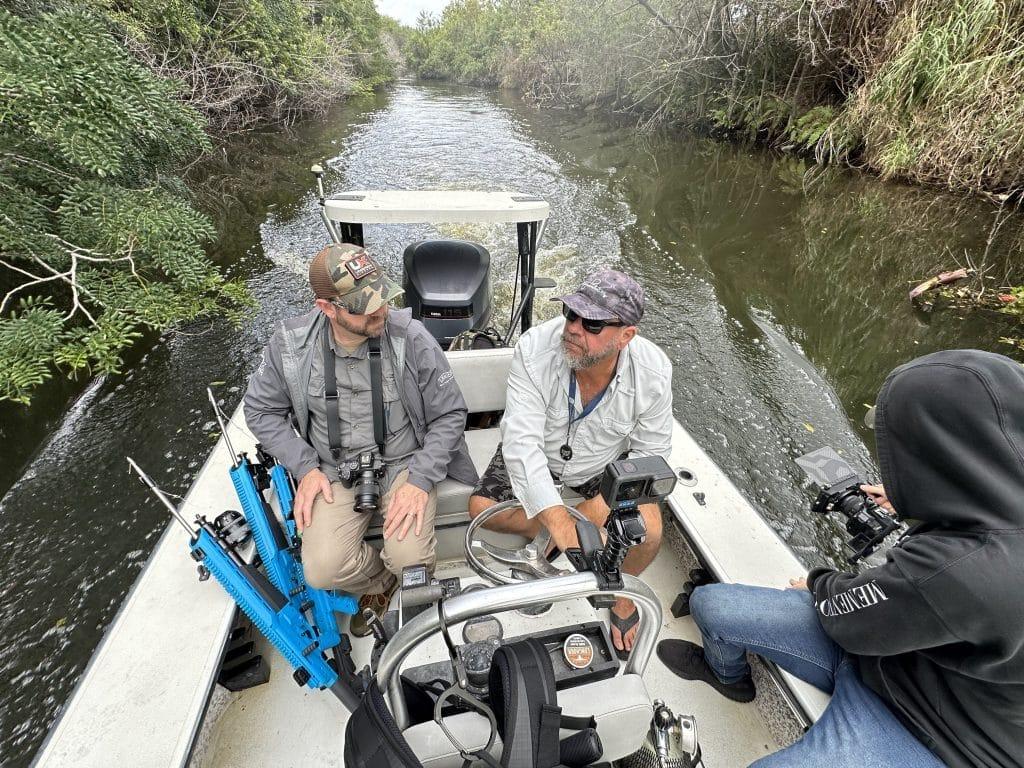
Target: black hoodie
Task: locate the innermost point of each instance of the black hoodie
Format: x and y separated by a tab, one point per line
938	629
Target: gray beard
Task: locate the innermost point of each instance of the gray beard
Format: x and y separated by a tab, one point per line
579	362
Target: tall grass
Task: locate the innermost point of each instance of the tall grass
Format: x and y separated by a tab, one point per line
923	90
943	102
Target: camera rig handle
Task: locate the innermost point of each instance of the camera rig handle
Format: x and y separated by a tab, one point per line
624	528
588	556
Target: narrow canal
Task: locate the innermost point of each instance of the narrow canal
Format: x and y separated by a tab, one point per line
779	295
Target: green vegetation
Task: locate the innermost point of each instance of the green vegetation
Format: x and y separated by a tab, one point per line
105	103
924	90
927	91
254	61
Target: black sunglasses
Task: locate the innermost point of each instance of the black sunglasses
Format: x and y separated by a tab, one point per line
590	326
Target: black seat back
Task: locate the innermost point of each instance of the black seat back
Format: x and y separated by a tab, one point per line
447	286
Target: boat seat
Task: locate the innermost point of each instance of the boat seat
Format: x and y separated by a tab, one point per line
621	706
482	375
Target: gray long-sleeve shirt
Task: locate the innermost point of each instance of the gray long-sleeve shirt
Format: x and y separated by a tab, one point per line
355	410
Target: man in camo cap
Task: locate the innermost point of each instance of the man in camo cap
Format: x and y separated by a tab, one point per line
424	419
584	390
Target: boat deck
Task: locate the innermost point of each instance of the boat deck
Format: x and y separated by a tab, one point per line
145	699
282	724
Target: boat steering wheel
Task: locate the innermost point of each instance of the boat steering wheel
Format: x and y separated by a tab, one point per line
529	561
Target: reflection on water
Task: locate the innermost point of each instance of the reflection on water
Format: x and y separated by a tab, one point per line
781	302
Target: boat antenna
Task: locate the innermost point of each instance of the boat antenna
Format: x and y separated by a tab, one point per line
318	171
148	482
223	426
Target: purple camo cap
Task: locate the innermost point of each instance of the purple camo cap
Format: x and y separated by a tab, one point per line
607	295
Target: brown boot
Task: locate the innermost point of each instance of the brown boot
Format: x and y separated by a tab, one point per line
378	603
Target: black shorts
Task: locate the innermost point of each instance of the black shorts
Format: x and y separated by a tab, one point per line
494	483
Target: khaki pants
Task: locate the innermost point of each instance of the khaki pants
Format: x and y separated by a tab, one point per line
335	556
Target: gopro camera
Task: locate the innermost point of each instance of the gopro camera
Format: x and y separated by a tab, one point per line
628	483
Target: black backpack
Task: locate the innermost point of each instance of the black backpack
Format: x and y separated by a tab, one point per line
522	694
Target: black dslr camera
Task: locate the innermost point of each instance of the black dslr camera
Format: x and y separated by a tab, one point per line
625	485
866	522
363	473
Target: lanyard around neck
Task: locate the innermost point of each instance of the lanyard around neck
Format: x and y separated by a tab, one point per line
588	408
566	450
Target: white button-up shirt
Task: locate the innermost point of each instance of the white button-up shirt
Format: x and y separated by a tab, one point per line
634	416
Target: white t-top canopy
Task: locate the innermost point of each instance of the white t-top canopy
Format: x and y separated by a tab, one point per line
434	207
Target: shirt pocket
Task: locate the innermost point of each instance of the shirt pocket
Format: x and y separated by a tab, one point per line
621	429
394	411
557	413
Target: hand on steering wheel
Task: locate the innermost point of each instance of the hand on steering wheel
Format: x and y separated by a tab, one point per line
529	560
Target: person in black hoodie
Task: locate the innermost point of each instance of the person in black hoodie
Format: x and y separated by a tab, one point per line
924	654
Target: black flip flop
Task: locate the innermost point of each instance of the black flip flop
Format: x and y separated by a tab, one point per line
624	625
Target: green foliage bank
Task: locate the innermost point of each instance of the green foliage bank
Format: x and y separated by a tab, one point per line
927	91
102	106
924	90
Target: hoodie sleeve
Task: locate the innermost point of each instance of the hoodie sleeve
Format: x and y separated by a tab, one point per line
444	411
879	612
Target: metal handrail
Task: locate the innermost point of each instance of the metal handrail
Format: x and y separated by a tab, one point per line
510	597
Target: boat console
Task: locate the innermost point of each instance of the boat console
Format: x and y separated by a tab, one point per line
588	682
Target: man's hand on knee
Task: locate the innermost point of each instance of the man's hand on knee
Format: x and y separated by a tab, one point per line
312	484
405	509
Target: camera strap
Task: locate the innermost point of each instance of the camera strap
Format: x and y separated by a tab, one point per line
331	396
377	393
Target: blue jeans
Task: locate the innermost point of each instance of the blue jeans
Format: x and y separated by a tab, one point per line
857	729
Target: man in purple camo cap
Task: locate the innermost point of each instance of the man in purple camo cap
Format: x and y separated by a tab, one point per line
584	390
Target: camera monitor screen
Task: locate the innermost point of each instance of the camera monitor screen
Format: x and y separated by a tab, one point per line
827	468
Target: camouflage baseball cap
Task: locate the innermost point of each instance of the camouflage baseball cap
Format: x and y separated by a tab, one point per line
346	273
607	295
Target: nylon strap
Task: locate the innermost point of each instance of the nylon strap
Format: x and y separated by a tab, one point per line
377	393
578	722
588	408
566	450
331	398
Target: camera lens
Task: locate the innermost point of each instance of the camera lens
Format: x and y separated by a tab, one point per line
367	492
850	503
663	487
630	491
